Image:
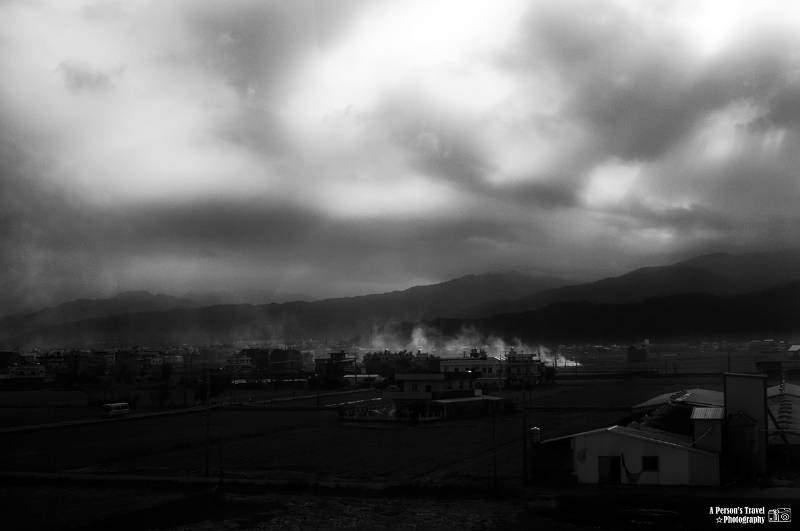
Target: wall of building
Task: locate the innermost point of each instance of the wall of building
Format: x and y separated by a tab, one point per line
703	469
708	434
673	462
486	368
746	398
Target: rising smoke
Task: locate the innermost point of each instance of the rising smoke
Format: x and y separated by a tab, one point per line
429	340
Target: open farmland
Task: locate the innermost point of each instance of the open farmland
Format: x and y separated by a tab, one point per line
311	445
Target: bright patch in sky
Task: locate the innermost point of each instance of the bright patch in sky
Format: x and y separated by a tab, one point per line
610	183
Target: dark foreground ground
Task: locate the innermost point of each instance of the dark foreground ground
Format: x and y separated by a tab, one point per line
302	468
82	506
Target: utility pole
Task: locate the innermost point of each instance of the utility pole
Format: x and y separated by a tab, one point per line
184	383
494	448
208	421
524	446
221	474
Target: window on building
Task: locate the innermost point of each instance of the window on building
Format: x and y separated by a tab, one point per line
489	370
649	463
427	388
413	387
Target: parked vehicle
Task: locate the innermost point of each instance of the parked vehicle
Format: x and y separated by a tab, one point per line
116	409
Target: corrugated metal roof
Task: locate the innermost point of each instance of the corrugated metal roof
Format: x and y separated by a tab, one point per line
691	397
708	413
656	401
783	389
786	410
703	398
647	434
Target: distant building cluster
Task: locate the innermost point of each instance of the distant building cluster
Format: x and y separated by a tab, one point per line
449	388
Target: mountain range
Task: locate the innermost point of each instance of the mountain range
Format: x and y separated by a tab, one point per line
712	294
716	274
774	312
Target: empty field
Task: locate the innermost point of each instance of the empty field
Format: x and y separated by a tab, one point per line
313	445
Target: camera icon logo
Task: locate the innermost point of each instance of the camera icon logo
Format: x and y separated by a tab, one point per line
780	515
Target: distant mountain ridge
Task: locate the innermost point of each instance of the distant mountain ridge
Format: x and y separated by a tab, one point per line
501	302
718	274
765	313
329	317
222	297
82	309
751	271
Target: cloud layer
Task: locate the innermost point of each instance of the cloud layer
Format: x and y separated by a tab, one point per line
363	146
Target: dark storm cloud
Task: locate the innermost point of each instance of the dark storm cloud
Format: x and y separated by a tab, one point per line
342	148
48	248
443	147
217	224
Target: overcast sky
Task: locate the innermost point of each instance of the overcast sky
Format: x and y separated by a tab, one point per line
345	147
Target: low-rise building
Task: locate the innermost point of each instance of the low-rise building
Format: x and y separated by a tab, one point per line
627	455
680	438
440	396
335	365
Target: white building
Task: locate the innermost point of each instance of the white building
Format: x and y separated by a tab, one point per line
625	455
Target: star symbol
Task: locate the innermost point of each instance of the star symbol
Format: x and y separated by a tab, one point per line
719	519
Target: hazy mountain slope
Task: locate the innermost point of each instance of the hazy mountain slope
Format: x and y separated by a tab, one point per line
751	271
772	312
761	314
694	297
82	309
635	286
719	274
334	318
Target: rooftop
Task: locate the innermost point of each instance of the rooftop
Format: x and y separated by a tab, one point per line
784	405
467	399
692	397
783	389
433	376
708	413
643	433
